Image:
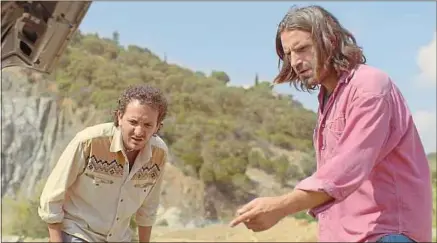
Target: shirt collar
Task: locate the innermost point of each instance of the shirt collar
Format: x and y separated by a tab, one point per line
117	141
345	78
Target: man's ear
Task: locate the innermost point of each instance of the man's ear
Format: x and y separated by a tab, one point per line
161	124
158	128
119	117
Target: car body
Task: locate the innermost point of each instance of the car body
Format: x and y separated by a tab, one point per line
34	34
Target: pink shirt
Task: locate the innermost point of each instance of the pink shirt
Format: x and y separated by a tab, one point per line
370	159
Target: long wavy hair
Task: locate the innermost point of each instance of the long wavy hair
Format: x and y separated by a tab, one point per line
335	47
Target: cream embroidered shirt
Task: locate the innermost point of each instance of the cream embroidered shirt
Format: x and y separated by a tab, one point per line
93	194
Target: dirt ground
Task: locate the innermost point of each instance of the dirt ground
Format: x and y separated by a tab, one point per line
287	230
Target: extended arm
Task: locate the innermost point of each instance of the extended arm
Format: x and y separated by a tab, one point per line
357	151
146	214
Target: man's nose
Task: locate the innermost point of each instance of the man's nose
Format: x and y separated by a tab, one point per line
295	60
139	131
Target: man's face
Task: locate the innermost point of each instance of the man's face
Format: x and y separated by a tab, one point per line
137	124
299	49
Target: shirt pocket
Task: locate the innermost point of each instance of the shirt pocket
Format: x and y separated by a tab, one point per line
144	180
140	189
102	172
98	179
95	185
145	186
334	130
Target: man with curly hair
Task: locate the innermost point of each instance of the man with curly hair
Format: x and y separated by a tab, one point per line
108	173
372	181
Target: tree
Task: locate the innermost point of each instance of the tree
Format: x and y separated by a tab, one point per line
116	37
256	79
220	75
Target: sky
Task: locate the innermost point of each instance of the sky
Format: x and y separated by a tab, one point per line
238	38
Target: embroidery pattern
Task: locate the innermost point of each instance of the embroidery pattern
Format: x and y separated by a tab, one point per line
112	168
147	171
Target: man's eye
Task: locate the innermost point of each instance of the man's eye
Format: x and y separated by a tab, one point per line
301	49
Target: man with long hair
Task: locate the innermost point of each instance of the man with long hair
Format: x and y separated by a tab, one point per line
108	173
372	181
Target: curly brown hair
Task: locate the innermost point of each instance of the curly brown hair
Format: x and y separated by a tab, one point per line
145	94
336	47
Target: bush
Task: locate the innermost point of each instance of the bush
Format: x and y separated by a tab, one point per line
305	216
20	218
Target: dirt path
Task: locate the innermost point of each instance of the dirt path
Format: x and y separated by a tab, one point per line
288	230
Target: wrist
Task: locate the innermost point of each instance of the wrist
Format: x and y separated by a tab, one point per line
285	205
55	226
55	232
55	238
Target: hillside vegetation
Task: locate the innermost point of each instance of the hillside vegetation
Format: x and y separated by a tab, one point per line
214	131
211	128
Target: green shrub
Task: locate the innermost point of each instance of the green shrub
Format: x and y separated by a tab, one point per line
20	217
305	216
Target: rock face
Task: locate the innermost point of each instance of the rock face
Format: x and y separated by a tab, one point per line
35	130
30	129
181	199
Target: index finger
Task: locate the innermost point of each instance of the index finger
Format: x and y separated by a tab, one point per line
242	218
246	208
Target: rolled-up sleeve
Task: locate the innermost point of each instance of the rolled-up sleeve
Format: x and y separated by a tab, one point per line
146	214
69	166
358	148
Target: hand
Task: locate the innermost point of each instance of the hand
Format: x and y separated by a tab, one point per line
260	214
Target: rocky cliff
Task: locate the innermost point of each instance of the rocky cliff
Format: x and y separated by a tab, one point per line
36	126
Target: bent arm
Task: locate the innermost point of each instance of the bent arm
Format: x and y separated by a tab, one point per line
64	174
359	148
299	200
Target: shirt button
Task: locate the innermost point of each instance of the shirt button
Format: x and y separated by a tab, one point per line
117	218
323	125
121	200
323	147
110	234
